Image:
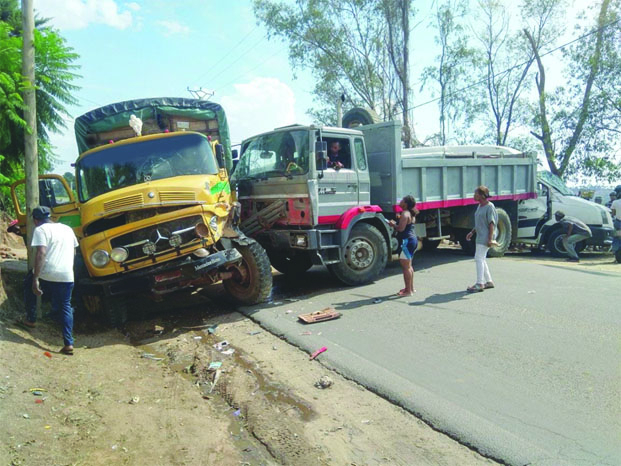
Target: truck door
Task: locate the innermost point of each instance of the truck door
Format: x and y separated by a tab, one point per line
362	172
337	188
55	193
533	213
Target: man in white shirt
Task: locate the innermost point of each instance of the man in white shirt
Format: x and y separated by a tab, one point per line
55	245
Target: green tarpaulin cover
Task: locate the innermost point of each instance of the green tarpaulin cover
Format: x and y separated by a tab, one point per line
117	115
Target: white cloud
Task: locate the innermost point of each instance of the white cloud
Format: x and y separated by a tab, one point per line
173	28
258	106
79	14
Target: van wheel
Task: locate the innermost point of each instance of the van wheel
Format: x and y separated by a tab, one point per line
252	277
364	256
503	237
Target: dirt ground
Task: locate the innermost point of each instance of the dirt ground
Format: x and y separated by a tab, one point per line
146	395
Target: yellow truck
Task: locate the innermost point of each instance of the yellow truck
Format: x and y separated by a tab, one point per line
152	207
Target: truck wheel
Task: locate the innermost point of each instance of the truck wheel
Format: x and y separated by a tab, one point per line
113	309
360	116
364	256
618	255
252	278
431	245
295	263
555	244
503	237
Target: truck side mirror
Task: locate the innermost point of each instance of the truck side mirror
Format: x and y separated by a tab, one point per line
235	154
321	156
220	155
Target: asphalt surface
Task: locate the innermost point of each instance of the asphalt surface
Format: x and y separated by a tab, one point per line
526	373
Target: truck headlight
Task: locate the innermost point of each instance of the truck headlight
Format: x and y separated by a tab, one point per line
201	230
149	248
213	223
175	241
119	254
100	258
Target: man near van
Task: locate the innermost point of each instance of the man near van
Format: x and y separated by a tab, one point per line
55	245
575	231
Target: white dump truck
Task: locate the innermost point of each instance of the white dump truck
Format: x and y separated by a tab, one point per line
304	214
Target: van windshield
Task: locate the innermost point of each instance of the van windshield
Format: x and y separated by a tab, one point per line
285	153
122	165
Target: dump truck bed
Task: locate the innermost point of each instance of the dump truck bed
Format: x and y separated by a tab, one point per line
443	176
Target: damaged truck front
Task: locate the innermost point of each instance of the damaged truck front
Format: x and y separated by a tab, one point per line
154	211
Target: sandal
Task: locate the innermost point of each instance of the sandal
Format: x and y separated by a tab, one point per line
403	293
68	350
475	288
489	285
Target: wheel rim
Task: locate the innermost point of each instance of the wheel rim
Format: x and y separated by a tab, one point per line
241	274
360	254
558	244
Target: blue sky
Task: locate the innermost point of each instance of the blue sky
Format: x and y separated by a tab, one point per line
155	48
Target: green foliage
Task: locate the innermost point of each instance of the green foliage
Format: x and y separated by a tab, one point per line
343	43
456	63
54	76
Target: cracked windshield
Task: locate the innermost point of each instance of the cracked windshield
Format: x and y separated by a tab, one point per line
275	154
119	166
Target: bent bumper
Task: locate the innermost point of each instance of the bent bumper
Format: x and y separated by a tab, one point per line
173	275
602	236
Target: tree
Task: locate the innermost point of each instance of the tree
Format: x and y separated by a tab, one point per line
55	74
578	125
350	47
508	58
453	71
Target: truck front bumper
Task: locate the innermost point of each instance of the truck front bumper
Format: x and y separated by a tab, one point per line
170	276
602	236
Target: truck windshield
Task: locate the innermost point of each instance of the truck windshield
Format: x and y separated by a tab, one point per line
119	166
555	182
285	153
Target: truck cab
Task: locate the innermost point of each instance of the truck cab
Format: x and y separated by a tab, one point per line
538	228
152	208
303	210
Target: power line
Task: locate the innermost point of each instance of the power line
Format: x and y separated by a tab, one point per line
239	58
226	55
500	73
263	62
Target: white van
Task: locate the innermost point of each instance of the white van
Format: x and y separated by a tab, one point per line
537	227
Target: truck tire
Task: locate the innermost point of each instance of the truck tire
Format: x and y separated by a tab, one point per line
295	263
364	256
112	309
115	310
556	247
431	245
618	255
252	278
360	116
503	238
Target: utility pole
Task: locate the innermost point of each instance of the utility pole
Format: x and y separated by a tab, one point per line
31	162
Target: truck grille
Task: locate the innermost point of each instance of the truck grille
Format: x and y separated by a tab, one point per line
124	202
177	196
158	235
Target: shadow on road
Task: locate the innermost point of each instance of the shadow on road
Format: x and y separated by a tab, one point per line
441	298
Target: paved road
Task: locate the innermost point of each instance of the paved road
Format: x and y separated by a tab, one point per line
528	373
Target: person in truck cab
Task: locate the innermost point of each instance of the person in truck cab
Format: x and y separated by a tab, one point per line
338	158
575	231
